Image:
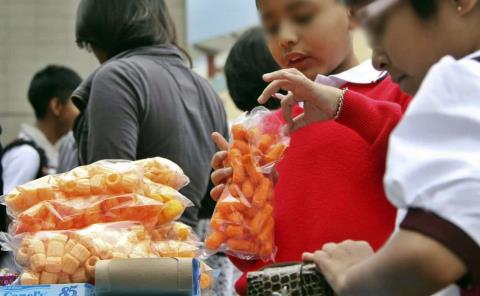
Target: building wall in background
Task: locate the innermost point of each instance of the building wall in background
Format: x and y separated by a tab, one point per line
33	34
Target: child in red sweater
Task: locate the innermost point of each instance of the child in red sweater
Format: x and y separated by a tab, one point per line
330	185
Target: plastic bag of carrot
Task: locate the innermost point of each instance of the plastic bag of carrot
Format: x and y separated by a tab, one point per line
243	224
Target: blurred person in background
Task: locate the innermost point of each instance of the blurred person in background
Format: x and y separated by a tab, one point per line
35	151
68	154
144	101
246	63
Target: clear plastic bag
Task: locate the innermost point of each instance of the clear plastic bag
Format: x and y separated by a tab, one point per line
206	277
106	191
176	231
242	224
70	256
163	171
175	202
82	212
103	177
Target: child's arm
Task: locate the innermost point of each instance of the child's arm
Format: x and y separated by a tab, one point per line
372	119
409	264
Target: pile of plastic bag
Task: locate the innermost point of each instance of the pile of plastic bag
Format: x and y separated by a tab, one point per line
62	225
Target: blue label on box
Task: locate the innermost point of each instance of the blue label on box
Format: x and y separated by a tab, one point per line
48	290
196	277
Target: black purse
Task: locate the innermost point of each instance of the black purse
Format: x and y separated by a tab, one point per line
295	279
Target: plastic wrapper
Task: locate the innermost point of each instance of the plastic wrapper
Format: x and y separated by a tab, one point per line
163	171
206	278
7	277
82	212
105	177
175	202
100	178
243	224
176	231
60	257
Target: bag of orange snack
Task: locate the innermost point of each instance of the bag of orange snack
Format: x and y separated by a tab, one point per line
100	178
70	256
160	205
163	171
105	177
82	212
242	224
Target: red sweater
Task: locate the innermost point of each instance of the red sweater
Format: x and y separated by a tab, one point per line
330	187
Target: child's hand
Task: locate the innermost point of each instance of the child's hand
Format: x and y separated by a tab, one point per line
320	101
221	173
334	260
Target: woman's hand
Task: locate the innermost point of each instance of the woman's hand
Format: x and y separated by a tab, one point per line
335	260
321	102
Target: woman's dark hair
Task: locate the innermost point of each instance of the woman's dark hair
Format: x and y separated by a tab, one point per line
115	26
247	61
424	8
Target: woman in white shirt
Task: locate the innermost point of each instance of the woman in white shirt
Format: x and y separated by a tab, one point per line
431	49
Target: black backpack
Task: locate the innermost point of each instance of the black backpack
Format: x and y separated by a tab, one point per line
42	171
4	220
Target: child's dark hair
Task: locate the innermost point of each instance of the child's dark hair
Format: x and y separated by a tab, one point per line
248	60
51	82
424	8
115	26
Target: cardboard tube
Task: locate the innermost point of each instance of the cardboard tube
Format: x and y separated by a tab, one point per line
149	276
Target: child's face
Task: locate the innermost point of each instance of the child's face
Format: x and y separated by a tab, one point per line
310	35
407	46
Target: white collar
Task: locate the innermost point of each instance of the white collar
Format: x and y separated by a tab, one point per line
472	55
32	133
364	73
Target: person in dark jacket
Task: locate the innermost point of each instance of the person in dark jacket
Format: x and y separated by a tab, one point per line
144	101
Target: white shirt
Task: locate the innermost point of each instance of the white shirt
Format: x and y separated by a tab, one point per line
21	164
433	160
